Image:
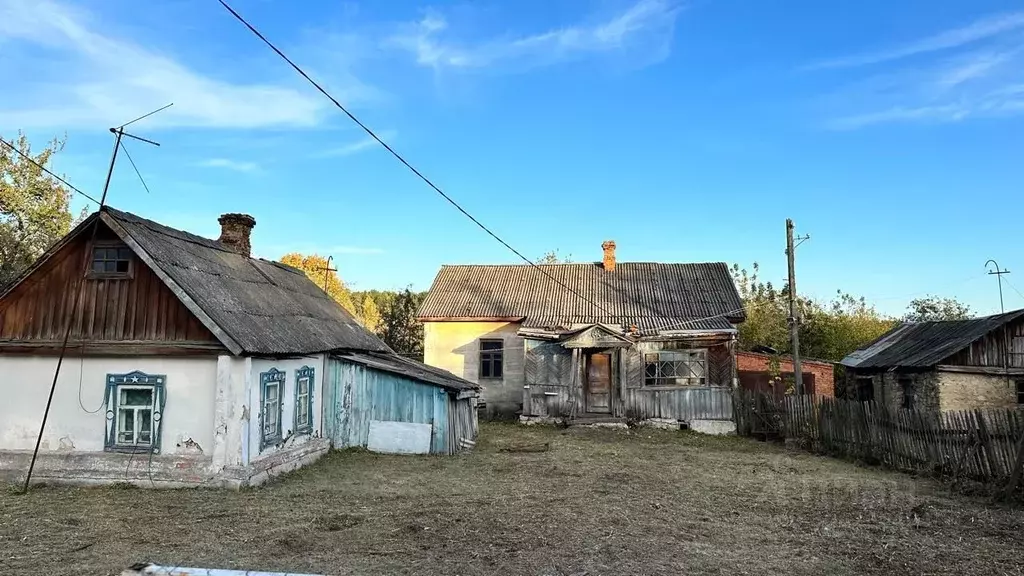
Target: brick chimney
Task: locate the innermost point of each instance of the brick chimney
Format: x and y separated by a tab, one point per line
609	255
235	230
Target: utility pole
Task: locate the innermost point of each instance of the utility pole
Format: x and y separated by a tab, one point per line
999	277
327	272
794	314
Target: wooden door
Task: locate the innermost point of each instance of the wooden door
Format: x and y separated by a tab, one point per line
599	383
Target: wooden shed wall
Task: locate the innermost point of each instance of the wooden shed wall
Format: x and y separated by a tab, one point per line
355	395
994	349
136	309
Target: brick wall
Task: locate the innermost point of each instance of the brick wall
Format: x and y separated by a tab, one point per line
752	362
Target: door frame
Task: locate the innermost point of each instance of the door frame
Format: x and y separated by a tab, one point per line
587	355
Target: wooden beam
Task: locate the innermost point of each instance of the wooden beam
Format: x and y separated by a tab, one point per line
982	370
113	348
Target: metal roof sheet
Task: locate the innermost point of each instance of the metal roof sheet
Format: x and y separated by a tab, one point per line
265	307
925	344
653	296
410	368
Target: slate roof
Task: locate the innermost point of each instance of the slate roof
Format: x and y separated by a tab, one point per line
405	367
655	297
925	344
263	307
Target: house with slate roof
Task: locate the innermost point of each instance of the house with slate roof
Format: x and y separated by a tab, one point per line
190	362
590	342
942	365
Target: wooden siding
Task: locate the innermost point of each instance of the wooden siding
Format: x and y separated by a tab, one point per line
554	383
356	394
998	349
136	310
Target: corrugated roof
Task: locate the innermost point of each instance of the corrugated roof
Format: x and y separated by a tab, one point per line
653	296
410	368
925	344
265	307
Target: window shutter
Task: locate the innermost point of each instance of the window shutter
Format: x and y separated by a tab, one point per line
111	402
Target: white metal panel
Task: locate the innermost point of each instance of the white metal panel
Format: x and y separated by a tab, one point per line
399	437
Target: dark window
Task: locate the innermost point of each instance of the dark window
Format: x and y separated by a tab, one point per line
675	368
865	390
907	387
111	260
491	356
1020	391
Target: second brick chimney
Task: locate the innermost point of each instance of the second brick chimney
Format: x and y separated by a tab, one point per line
609	255
235	230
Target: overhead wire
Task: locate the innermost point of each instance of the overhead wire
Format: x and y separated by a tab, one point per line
402	159
47	170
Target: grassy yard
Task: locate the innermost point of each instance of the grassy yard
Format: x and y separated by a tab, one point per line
598	502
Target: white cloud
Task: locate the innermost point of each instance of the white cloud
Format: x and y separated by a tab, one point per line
647	26
85	76
981	29
360	145
976	77
230	164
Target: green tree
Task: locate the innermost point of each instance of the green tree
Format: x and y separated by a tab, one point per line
399	328
552	257
315	267
35	208
828	331
370	313
932	308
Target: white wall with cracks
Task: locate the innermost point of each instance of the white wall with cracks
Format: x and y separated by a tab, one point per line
210	422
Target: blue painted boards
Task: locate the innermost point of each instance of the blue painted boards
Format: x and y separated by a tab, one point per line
354	395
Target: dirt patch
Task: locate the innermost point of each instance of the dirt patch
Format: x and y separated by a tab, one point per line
597	501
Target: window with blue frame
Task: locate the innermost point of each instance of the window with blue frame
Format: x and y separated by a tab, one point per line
271	394
135	406
304	400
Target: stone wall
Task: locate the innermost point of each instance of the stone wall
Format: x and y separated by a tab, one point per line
962	391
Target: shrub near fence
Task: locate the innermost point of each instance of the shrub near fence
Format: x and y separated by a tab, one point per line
979	444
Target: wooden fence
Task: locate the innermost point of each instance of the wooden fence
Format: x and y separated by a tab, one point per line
981	444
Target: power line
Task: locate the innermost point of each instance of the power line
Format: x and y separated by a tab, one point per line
45	169
399	157
137	173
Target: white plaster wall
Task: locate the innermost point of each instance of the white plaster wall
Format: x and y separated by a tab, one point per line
289	367
25	384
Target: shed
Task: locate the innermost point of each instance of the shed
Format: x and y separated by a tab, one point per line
392	404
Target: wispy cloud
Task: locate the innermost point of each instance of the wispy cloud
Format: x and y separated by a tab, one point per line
975	76
84	75
646	26
230	164
981	29
357	146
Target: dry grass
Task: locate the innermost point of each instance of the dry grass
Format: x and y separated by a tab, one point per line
598	502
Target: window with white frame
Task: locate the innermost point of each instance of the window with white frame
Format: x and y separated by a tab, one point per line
675	368
271	394
135	405
304	400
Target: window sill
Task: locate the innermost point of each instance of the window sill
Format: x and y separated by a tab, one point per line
304	431
132	449
683	387
108	276
491	378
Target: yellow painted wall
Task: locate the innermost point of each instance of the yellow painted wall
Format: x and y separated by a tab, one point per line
455	346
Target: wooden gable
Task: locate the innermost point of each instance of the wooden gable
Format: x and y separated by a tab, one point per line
596	337
118	311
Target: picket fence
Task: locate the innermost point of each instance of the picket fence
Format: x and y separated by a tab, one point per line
984	445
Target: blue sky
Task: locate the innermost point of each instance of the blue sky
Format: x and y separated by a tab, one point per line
685	131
